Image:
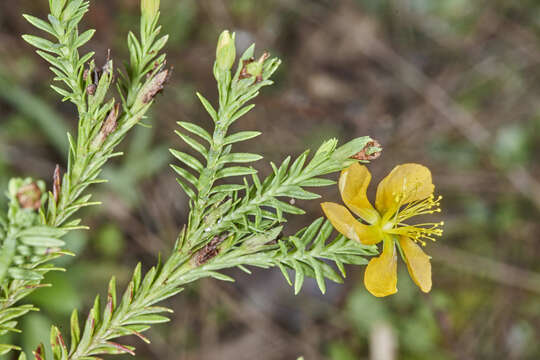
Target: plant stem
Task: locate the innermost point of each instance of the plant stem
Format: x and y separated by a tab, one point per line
7	254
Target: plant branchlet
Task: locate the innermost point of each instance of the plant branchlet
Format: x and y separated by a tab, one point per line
236	216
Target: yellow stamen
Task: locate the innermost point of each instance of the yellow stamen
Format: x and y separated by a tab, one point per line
428	205
417	232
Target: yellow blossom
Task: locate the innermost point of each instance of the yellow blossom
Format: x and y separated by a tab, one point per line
406	192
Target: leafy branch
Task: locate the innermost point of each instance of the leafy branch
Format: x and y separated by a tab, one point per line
135	311
36	221
230	225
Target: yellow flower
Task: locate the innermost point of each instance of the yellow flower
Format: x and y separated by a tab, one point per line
406	192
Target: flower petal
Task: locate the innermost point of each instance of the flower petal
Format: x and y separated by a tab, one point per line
380	277
353	184
417	262
342	219
405	183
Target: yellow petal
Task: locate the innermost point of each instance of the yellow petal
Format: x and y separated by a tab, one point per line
342	219
405	183
417	262
353	184
380	278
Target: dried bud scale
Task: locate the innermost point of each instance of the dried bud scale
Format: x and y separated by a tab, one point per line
371	151
155	86
109	125
210	251
56	183
254	68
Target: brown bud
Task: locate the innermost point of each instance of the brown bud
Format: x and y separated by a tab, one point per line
56	183
107	67
91	89
96	74
156	85
29	196
38	353
367	153
109	125
210	251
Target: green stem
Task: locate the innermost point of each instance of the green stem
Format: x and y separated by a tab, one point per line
253	204
7	254
208	175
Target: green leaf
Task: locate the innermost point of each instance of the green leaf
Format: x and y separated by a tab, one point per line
42	241
243	111
240	158
189	191
188	160
297	192
84	38
227	188
317	182
197	130
40	24
220	276
286	208
41	43
185	174
241	136
46	231
234	171
23	274
147	319
309	233
318	274
57	6
15	312
113	348
209	108
4	348
75	330
297	166
299	277
193	143
285	273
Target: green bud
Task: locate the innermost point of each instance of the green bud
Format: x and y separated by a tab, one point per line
149	8
226	51
254	68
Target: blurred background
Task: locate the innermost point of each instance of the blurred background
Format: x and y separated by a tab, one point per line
452	84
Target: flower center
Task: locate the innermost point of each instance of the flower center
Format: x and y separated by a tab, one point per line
418	232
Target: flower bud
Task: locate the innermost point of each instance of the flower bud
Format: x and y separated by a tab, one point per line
27	193
254	68
371	151
226	51
149	8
